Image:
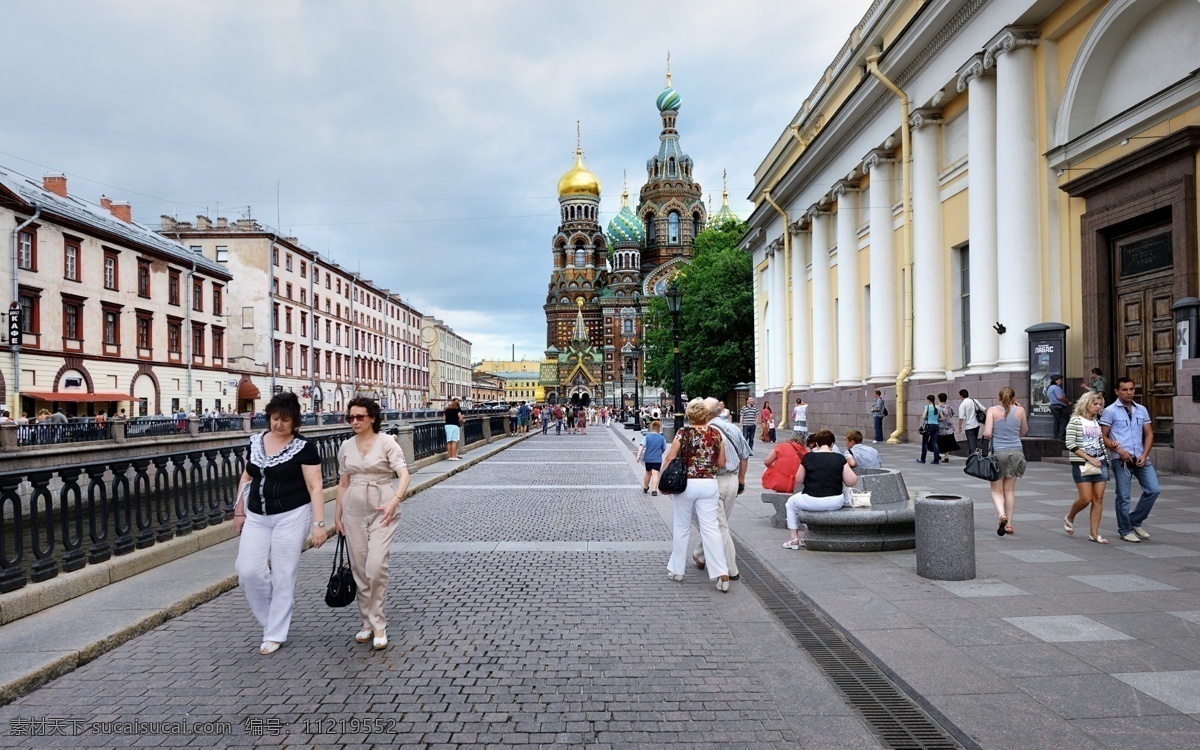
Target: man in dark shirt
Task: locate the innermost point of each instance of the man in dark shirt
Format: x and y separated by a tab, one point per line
454	420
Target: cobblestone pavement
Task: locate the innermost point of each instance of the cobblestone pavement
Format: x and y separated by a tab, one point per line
529	607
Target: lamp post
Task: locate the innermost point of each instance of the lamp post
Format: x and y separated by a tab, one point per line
674	300
740	390
637	378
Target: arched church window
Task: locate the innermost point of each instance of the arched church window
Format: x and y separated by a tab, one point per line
628	327
650	235
673	228
695	225
580	256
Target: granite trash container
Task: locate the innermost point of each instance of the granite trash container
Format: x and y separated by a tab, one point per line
945	536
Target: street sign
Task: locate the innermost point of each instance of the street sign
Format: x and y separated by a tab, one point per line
14	325
277	389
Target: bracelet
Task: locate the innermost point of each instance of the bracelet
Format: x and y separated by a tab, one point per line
239	515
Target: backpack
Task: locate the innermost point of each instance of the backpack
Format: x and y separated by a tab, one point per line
980	413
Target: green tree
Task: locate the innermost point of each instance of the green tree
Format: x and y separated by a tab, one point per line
716	319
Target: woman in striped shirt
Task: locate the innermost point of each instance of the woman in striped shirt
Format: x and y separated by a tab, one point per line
1085	442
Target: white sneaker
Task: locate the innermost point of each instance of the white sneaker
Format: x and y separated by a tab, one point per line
1141	532
1131	537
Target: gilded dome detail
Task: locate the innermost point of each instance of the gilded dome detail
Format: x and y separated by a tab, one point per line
578	180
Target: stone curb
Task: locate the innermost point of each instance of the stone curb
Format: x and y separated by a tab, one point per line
57	666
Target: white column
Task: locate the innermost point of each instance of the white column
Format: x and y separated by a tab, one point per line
801	325
822	302
885	312
779	342
981	207
1020	289
849	315
929	287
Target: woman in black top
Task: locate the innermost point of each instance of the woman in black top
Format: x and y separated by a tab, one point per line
280	496
823	475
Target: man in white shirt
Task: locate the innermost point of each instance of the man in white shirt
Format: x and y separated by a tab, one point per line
967	421
731	482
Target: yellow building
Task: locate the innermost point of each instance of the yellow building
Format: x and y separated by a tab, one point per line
508	365
964	171
522	386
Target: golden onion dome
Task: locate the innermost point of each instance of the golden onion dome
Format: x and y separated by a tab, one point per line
578	179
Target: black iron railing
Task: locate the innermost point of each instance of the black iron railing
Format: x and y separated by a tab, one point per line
472	431
72	516
497	422
55	433
429	439
155	427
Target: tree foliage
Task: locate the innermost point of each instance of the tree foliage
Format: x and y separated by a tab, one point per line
716	319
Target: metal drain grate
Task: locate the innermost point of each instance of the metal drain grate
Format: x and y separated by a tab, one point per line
888	709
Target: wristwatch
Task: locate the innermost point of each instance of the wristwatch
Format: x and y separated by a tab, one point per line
319	523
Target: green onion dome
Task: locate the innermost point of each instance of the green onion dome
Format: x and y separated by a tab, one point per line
668	98
626	228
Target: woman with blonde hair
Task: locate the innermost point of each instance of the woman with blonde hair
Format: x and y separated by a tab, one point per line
1085	441
702	448
1006	424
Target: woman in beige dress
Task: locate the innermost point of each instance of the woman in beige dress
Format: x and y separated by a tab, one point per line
367	511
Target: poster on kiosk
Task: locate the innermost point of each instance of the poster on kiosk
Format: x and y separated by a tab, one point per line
1047	357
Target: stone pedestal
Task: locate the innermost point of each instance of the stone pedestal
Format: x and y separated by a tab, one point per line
945	531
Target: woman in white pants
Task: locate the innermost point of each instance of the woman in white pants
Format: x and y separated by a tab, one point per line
704	454
823	476
280	497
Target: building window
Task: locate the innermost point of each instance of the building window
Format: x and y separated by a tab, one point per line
275	256
197	342
316	363
303	269
303	323
111	279
303	296
287	320
274	286
198	295
144	336
222	253
173	288
27	251
673	228
287	357
287	261
218	343
328	335
72	316
112	327
174	337
275	316
965	304
288	287
29	313
218	308
71	261
303	360
144	279
275	362
651	236
328	363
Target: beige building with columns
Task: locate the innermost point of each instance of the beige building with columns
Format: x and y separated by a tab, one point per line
965	170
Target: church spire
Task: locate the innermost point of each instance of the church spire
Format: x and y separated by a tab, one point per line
580	328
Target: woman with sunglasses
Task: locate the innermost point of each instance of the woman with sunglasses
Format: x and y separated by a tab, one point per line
367	510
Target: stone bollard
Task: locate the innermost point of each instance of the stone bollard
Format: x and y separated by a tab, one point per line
945	531
116	429
8	436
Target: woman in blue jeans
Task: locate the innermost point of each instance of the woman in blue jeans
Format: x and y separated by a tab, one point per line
929	439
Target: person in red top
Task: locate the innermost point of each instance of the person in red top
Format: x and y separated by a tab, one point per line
786	458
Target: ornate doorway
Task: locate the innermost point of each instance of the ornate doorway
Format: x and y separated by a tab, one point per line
1144	337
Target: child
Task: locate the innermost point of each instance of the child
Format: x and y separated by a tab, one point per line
651	453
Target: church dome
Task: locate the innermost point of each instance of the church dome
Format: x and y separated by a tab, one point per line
578	179
668	98
626	228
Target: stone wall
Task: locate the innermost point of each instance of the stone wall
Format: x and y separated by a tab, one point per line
1185	458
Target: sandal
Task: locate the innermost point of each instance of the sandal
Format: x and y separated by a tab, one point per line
793	544
1008	529
1097	539
1000	529
269	647
1069	527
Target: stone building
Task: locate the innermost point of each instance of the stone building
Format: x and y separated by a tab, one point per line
300	322
966	170
449	363
112	316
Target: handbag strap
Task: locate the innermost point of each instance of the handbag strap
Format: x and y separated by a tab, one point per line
338	553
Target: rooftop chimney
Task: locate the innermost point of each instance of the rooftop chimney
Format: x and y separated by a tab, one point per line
202	222
55	183
123	211
222	222
106	202
166	223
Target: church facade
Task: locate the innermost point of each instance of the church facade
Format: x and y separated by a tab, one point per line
601	281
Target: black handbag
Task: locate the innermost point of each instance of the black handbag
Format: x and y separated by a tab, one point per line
982	467
341	589
674	478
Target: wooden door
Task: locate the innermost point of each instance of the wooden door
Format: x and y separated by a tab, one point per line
1144	339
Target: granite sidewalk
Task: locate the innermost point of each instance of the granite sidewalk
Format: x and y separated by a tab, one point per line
1058	642
54	641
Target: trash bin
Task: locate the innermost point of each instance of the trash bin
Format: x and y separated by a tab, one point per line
945	536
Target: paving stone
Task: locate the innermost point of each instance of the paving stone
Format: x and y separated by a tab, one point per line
981	588
1057	629
1121	582
1179	690
1041	555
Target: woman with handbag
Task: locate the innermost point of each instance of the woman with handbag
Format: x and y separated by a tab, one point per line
947	443
701	448
1089	463
367	511
824	476
281	495
1005	425
767	419
782	463
930	418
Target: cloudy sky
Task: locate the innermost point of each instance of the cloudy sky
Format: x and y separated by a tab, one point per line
417	142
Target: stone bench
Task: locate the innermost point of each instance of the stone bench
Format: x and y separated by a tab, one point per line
889	524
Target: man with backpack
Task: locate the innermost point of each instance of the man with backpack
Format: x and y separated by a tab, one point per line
971	416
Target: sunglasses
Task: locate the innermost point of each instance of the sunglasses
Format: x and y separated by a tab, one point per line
358	417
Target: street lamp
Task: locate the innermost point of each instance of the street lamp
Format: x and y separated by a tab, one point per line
674	300
740	391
